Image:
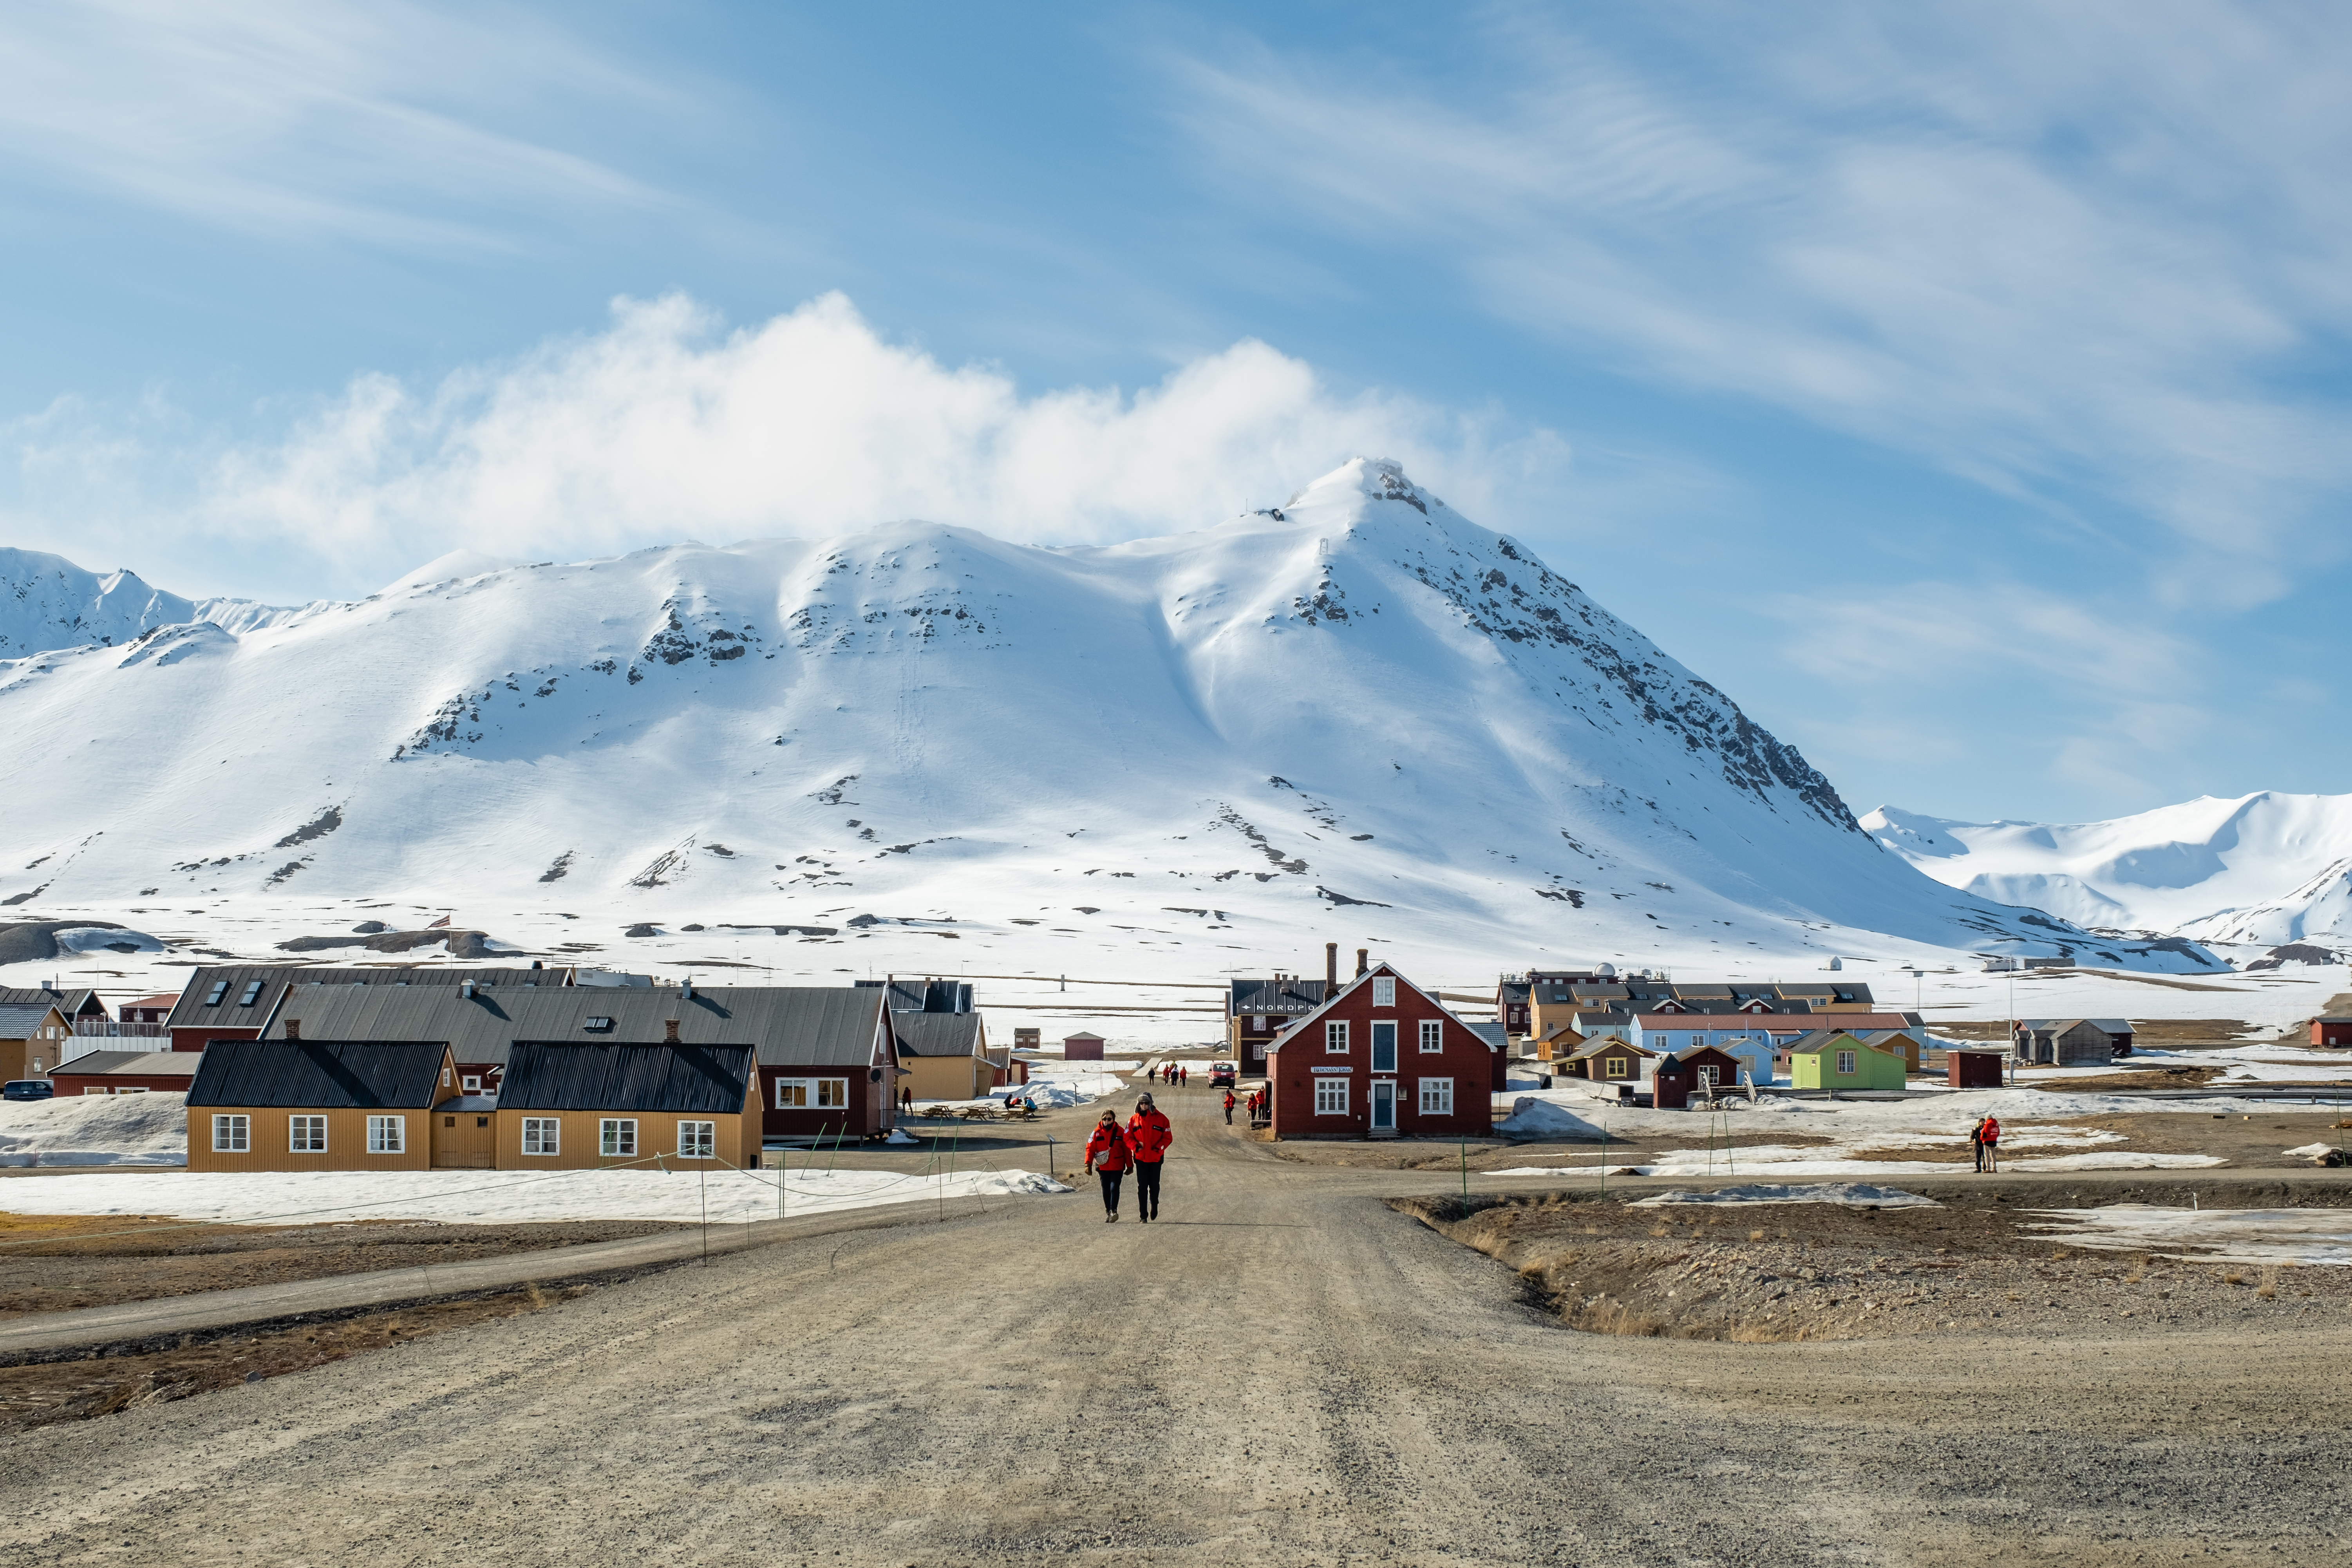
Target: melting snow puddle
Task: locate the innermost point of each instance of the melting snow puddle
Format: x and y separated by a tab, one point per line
2218	1236
1858	1195
500	1197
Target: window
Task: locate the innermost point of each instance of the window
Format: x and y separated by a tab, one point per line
251	994
1710	1075
444	1075
219	990
387	1134
306	1134
1432	1035
1437	1097
597	1025
832	1094
1330	1097
1384	991
471	1083
1335	1038
1257	1023
1845	1063
616	1138
697	1140
232	1134
542	1135
1384	1047
1619	1067
792	1094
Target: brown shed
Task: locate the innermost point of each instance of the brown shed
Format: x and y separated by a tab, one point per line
1083	1047
2331	1031
580	1107
1972	1069
317	1105
1679	1076
466	1133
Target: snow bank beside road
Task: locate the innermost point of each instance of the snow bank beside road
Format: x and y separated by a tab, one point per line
2218	1236
499	1197
1859	1194
95	1129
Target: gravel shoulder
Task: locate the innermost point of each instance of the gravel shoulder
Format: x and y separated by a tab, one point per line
1288	1370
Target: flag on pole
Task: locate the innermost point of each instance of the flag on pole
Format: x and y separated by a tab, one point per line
442	921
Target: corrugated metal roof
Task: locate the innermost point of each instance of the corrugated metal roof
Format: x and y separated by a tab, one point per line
133	1063
75	1002
193	1011
1291	996
791	1026
704	1079
938	1033
320	1075
18	1023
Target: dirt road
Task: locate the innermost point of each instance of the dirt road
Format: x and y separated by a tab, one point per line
1285	1372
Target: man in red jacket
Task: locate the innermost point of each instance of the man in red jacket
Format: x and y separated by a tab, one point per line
1230	1103
1148	1134
1108	1157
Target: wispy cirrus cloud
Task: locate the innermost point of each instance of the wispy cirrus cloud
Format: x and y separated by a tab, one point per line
381	122
2094	256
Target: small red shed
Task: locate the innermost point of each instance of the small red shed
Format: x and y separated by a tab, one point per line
1678	1075
128	1072
1381	1059
2331	1031
1972	1069
1083	1047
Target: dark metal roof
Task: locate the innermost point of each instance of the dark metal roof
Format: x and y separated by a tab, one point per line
136	1064
938	1033
320	1075
192	1012
791	1026
703	1080
1277	997
74	1001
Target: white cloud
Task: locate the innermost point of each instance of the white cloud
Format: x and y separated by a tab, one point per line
2089	254
665	426
377	122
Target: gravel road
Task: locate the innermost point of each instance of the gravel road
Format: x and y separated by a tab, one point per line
1286	1371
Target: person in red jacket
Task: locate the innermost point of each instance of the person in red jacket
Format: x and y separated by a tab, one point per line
1108	1156
1229	1107
1148	1134
1988	1144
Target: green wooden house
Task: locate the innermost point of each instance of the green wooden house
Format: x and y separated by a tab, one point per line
1841	1061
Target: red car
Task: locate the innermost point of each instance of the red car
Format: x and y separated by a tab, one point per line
1221	1074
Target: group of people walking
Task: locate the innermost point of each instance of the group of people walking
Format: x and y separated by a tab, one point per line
1174	1074
1140	1146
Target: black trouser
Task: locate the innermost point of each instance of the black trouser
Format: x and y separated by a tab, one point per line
1979	1153
1229	1116
1111	1189
1147	1188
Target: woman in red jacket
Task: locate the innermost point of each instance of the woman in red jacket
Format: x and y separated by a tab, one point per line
1148	1134
1108	1156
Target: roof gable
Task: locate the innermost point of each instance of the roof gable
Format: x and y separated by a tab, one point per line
1298	1025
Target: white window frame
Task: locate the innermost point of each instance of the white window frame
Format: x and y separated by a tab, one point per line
1711	1074
1330	1096
1846	1063
1433	1036
542	1137
697	1140
306	1135
832	1093
792	1093
1335	1037
387	1135
1436	1097
1384	991
232	1134
471	1083
616	1138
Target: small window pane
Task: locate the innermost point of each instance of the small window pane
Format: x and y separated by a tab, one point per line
387	1134
219	990
232	1134
306	1134
697	1140
832	1094
1432	1035
542	1135
1437	1097
618	1138
1384	991
1330	1097
1335	1037
792	1094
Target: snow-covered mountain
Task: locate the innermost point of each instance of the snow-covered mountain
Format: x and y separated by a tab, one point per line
2268	869
46	602
1357	715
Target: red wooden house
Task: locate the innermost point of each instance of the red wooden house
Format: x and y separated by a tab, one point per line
1382	1059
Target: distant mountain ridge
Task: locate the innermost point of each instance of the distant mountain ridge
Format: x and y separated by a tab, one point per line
1358	700
2268	869
47	603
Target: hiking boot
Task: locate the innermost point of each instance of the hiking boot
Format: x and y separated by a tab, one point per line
1111	1219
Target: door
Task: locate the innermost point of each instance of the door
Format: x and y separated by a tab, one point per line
1384	1048
1384	1099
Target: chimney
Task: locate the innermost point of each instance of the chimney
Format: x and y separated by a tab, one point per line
293	1028
466	989
686	989
1361	967
1330	969
672	1035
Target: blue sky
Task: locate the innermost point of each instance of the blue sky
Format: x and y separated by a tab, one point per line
1963	388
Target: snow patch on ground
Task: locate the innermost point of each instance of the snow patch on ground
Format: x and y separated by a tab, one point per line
2211	1236
501	1197
1859	1194
95	1129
